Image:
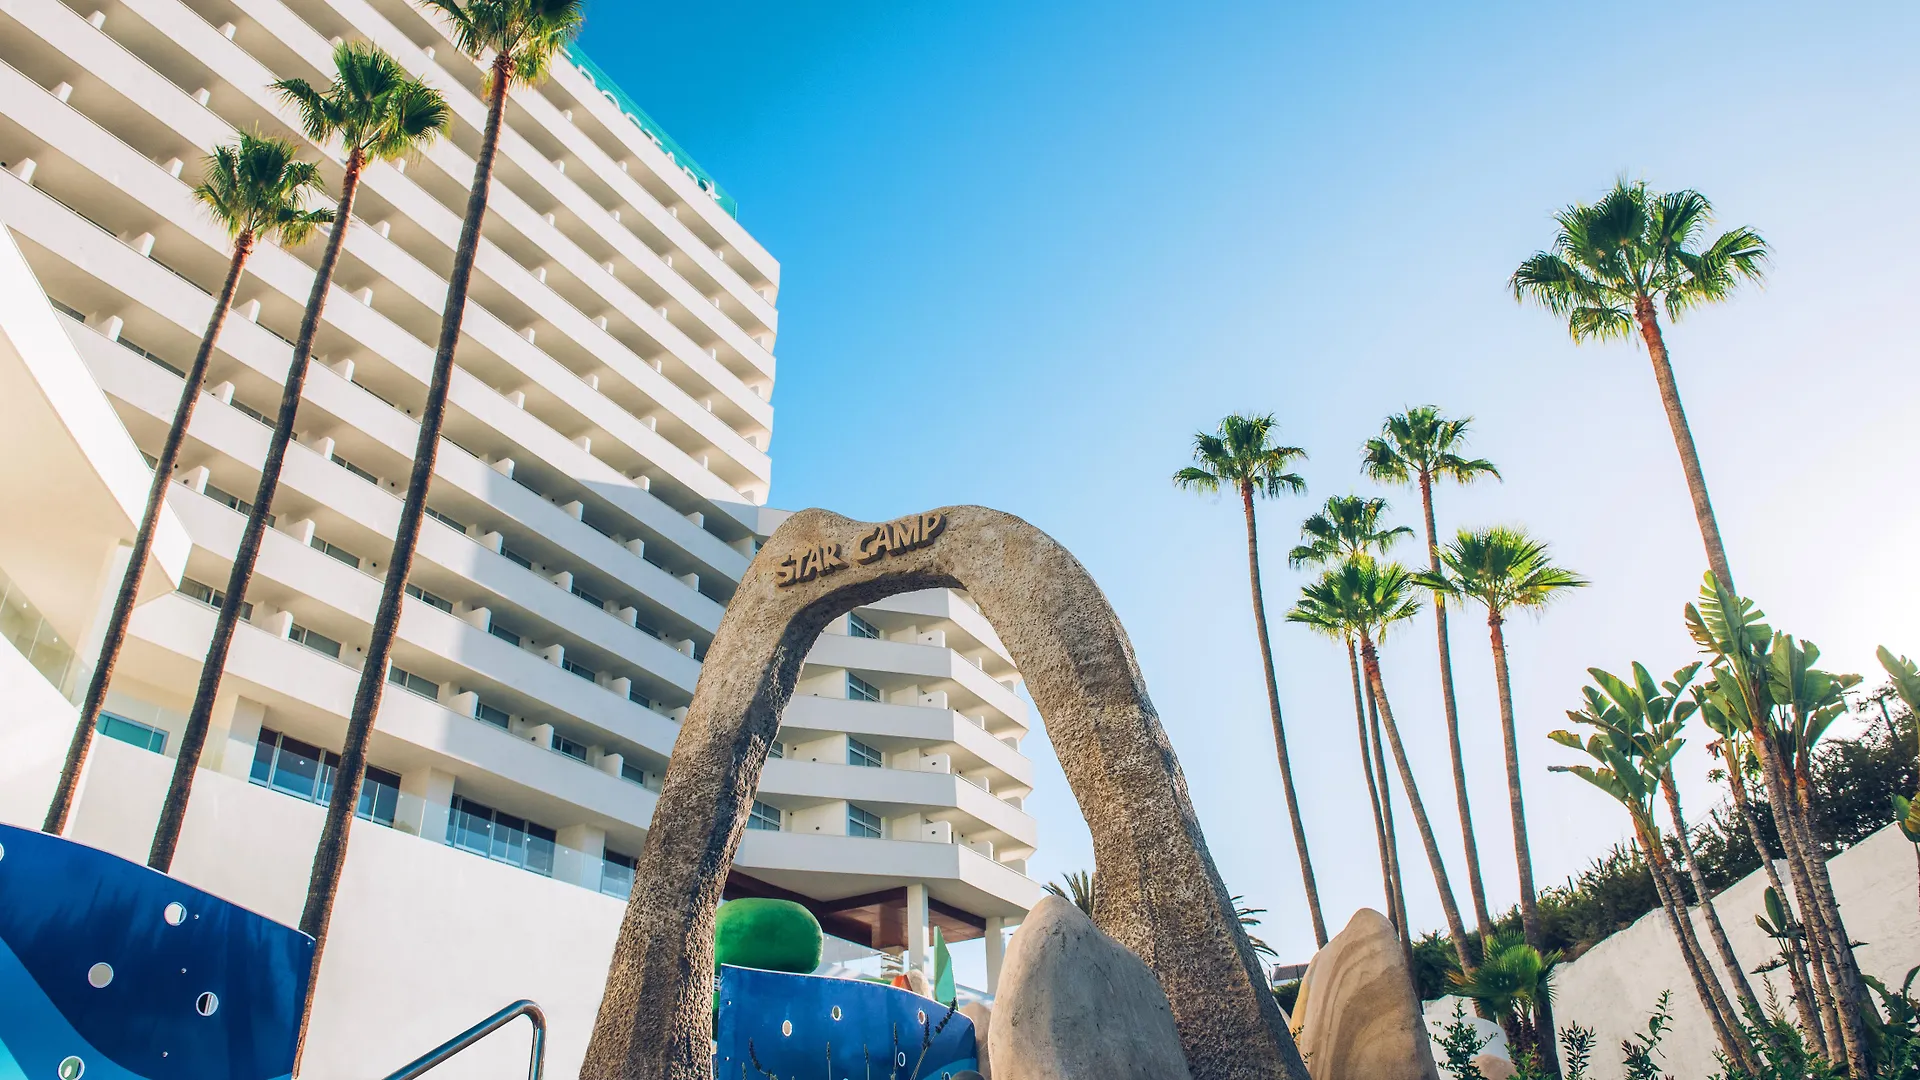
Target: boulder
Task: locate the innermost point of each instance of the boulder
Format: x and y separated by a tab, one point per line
1074	1004
982	1016
1358	1013
1494	1067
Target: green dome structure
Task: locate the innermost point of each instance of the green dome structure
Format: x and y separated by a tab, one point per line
773	935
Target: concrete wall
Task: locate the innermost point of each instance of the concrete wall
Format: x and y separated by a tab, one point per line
1613	987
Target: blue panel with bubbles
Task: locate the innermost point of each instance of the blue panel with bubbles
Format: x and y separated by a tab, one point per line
112	971
804	1025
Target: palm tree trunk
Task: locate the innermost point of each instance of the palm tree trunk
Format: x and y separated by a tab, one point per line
1851	986
173	812
116	632
1279	729
1736	974
1827	948
1810	1005
1386	817
1705	983
1373	788
1476	886
1371	659
1649	322
331	855
1522	848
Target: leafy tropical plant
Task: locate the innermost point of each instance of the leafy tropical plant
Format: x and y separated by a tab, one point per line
1615	263
516	41
378	113
1242	456
1637	1054
1460	1043
1512	982
257	189
1075	887
1419	447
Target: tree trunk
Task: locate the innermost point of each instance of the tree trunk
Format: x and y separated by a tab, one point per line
1373	788
1522	848
1705	983
173	812
1827	950
1371	659
116	632
1476	886
1649	322
1386	817
1809	1004
1736	974
1850	986
1279	729
330	856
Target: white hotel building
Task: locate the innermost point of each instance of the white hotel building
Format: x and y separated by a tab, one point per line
598	496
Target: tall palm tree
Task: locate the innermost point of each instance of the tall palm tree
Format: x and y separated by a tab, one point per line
1614	263
1075	887
1242	456
517	41
1368	597
379	113
1418	447
1504	569
1349	526
257	190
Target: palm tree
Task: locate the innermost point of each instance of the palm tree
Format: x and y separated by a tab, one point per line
1241	455
1504	569
1367	597
1349	526
1614	263
517	41
1418	447
379	113
257	190
1515	983
1076	887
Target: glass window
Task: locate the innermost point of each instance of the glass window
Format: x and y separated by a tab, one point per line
589	597
335	551
490	714
239	406
634	695
426	688
501	632
456	526
859	627
430	599
616	874
132	732
306	772
632	772
863	823
859	689
357	470
138	351
564	745
500	836
70	312
763	817
318	642
775	749
232	501
513	556
210	596
859	753
581	670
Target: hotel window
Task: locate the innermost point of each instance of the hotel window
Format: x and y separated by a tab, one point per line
357	471
488	714
589	597
859	627
564	745
306	772
859	689
426	688
515	557
132	732
239	406
232	501
456	526
763	817
859	753
335	551
775	749
70	312
501	632
634	695
138	351
616	874
581	670
632	772
500	836
430	599
863	823
210	596
318	642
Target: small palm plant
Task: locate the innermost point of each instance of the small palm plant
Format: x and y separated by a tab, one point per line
1503	569
1615	263
1075	887
1421	447
1365	597
257	190
1241	456
379	113
1350	526
1513	982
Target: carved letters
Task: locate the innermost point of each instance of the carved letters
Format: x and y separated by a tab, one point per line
889	538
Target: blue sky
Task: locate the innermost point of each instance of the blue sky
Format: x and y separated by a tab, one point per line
1029	249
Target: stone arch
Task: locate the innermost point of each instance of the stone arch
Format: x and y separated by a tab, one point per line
1160	894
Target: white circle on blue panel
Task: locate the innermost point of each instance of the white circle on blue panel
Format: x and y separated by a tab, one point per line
71	1068
206	1003
786	1027
99	975
175	913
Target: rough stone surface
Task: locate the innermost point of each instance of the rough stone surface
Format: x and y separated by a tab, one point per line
1074	1004
1160	894
1358	1013
982	1016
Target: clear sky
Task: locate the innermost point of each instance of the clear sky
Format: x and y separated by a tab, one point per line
1029	249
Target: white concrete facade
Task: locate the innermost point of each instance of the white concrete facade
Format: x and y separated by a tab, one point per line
598	495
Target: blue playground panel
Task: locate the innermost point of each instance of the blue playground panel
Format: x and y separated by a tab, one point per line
112	971
874	1032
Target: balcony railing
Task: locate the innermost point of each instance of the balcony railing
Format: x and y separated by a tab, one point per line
50	654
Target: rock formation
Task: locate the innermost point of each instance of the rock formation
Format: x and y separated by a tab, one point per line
1358	1013
982	1017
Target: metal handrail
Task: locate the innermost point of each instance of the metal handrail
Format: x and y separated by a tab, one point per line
439	1054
